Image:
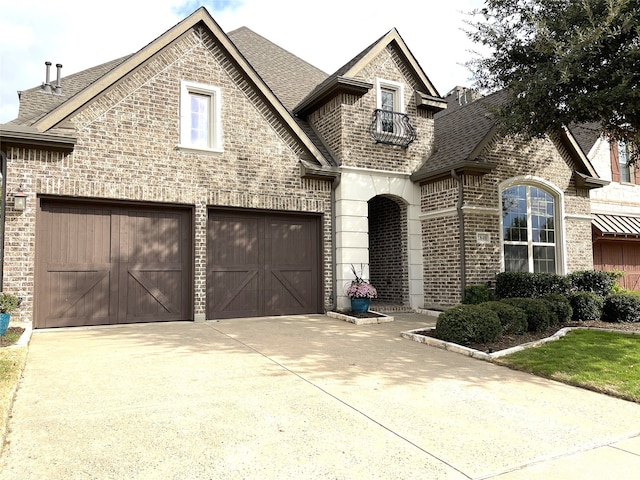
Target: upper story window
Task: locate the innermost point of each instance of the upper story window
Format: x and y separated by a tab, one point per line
200	122
621	171
623	159
390	123
387	105
529	230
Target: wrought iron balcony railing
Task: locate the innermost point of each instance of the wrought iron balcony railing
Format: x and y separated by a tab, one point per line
392	128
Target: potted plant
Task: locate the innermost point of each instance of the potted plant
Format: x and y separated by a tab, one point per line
8	303
360	292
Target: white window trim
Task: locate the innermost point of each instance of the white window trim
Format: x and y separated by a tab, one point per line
398	89
391	85
215	116
533	181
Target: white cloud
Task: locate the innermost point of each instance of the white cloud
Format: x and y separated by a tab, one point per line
81	35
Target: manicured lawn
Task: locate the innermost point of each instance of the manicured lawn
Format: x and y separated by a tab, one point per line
11	364
602	361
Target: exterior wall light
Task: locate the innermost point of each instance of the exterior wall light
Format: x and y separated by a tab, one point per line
20	200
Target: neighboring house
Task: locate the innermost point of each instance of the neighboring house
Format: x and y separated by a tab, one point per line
615	208
214	175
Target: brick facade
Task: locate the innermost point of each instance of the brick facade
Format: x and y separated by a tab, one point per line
406	234
344	122
127	150
543	162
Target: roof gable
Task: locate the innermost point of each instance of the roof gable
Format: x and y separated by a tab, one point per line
462	134
365	57
344	79
61	113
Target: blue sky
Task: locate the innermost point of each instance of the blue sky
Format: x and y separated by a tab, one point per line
326	34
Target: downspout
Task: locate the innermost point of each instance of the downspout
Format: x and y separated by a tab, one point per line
334	292
3	209
463	263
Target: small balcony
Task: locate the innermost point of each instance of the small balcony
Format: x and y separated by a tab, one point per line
392	128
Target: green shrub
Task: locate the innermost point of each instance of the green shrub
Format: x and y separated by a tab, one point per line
621	307
512	319
595	281
530	285
536	310
476	294
468	324
560	308
586	306
8	302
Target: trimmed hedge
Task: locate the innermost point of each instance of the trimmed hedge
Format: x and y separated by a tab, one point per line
536	310
595	281
530	285
513	319
621	307
586	306
468	324
560	308
476	294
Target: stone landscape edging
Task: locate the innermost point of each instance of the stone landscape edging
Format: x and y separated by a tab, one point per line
362	321
470	352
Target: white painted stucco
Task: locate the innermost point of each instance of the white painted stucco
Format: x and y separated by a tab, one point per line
616	198
358	186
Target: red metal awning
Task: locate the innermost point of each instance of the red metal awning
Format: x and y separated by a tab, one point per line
616	225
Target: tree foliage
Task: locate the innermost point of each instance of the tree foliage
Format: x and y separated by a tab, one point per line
564	62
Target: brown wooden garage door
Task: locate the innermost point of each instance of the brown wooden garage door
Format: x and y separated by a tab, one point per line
105	264
622	256
261	264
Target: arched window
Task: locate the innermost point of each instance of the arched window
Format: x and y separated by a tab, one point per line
529	230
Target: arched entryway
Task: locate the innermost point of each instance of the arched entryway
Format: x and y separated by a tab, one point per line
388	257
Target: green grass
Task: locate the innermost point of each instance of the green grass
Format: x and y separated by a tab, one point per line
11	364
602	361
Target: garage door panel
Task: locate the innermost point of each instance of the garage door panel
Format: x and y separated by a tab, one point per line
105	265
290	291
154	294
154	266
261	264
76	296
235	294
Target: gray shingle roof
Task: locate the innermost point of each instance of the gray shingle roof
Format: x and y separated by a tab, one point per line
34	103
586	134
289	77
458	132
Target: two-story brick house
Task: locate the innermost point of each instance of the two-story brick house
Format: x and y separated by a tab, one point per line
214	175
616	207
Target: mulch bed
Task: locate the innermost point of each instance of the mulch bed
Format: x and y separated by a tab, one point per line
508	341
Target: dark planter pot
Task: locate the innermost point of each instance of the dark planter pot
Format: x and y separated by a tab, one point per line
360	305
4	322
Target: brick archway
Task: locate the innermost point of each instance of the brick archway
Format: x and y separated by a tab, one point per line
388	261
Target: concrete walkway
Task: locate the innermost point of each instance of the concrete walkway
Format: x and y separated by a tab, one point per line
299	398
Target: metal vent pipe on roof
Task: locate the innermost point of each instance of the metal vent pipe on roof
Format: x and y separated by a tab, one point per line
58	89
46	86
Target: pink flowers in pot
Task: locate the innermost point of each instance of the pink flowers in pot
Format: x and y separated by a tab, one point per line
360	288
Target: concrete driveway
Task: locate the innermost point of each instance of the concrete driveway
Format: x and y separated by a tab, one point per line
299	398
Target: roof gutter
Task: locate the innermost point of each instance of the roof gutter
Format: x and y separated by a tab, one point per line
587	181
30	137
466	167
320	173
330	89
